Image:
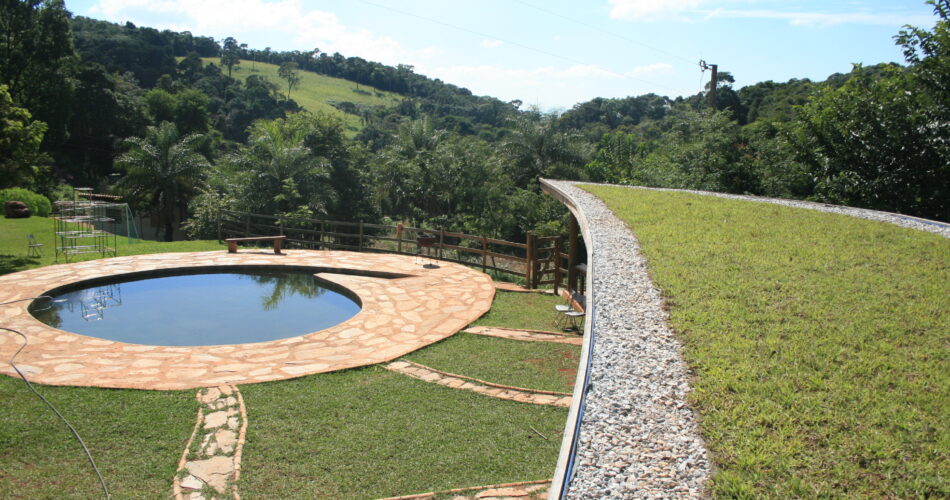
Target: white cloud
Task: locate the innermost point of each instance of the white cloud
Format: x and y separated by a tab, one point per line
491	44
654	69
825	19
694	10
640	9
244	19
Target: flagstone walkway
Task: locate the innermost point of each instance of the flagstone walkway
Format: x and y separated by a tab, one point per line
527	335
527	490
455	381
399	315
210	465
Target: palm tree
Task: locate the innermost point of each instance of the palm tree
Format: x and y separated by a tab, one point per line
289	178
537	148
164	170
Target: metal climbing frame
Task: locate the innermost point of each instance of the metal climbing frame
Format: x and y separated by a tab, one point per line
85	226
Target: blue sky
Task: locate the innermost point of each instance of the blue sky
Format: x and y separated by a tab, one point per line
556	53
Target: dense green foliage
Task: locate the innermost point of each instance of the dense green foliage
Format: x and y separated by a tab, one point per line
20	137
818	343
408	148
37	203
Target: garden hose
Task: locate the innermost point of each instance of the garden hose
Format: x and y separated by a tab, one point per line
102	481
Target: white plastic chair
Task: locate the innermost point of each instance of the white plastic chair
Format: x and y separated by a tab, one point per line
33	249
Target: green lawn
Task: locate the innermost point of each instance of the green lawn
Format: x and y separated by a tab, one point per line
528	311
135	437
820	343
369	433
534	365
316	91
13	249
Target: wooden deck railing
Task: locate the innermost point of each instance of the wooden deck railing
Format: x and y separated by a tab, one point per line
539	261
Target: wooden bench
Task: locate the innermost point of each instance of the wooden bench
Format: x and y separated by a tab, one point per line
232	242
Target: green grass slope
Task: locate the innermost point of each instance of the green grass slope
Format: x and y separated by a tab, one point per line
315	91
370	433
135	437
820	343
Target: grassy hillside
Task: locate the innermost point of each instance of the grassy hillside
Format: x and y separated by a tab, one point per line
315	92
819	343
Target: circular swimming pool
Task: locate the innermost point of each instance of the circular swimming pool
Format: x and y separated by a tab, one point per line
223	306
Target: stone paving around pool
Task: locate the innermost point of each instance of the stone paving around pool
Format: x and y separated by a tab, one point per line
398	316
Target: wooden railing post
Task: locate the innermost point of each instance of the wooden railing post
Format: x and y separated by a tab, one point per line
219	225
399	237
484	253
247	225
361	237
323	228
441	241
529	261
557	264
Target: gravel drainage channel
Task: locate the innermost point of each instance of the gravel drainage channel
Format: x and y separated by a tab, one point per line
636	437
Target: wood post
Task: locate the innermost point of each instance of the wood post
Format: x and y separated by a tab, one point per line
484	253
441	241
557	264
399	237
219	227
529	261
572	253
247	226
361	237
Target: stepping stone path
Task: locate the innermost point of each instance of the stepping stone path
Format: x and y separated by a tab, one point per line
210	466
529	490
520	394
528	335
512	287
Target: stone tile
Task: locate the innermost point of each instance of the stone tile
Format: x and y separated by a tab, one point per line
192	483
215	419
215	471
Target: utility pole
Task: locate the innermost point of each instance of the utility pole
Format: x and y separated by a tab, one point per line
713	83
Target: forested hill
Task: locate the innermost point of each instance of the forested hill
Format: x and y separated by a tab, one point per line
149	54
88	102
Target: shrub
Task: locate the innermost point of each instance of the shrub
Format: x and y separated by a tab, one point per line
37	203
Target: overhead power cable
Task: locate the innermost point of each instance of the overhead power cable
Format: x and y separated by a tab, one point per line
608	32
510	42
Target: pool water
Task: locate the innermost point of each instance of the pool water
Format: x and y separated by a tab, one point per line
216	308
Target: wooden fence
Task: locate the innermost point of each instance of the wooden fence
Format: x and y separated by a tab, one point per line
539	261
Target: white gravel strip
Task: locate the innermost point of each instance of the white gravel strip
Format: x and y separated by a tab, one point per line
930	226
638	438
